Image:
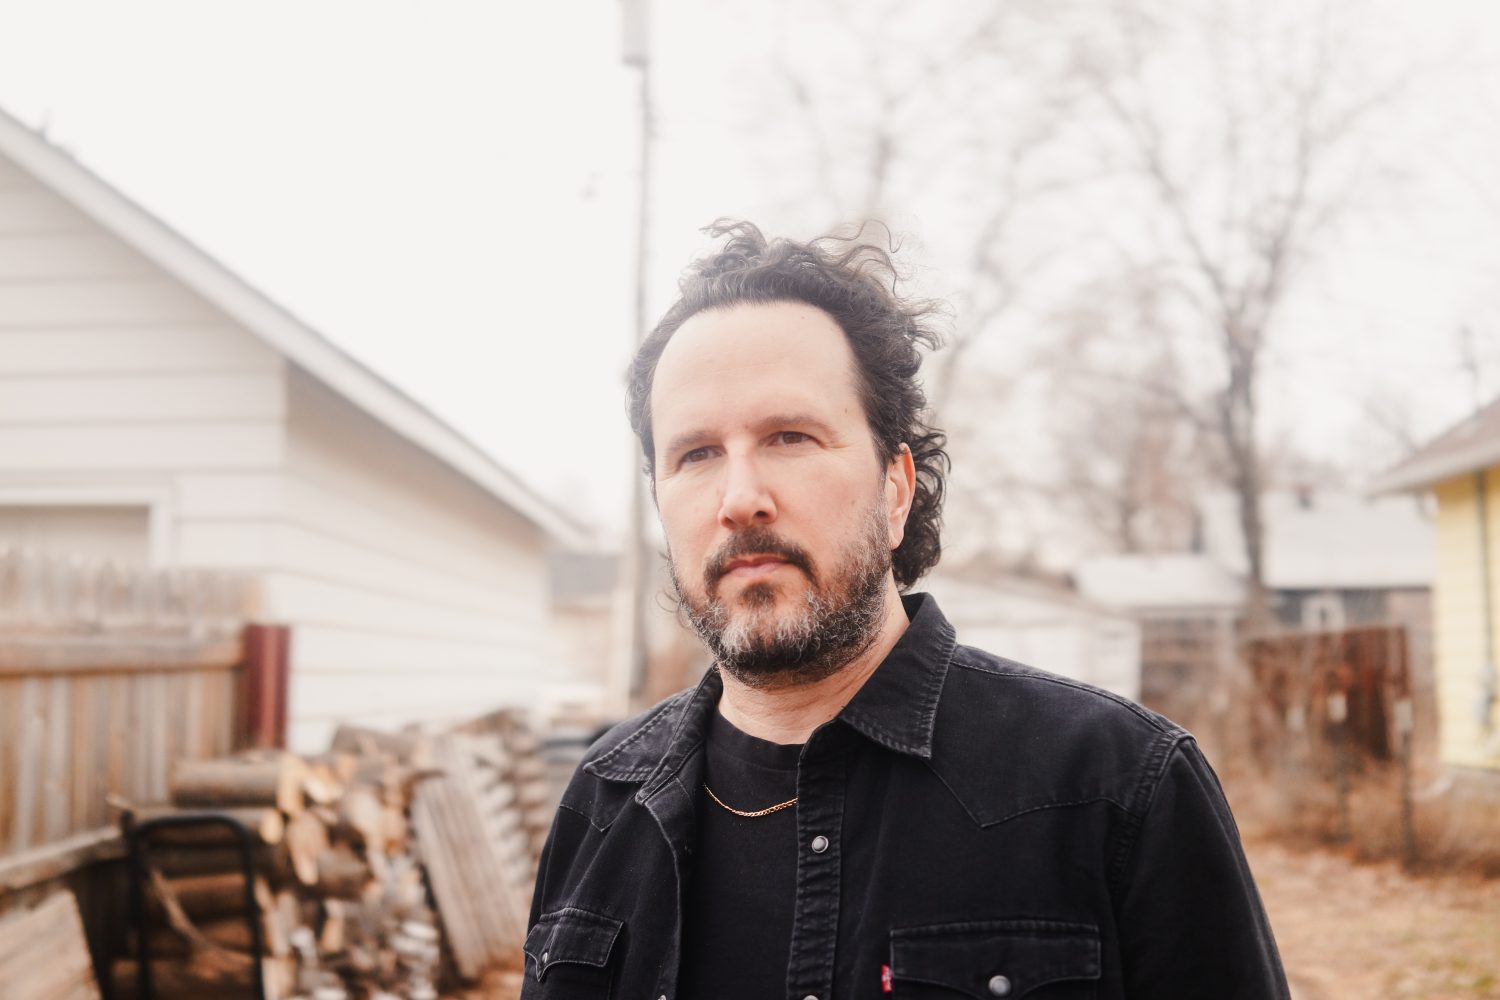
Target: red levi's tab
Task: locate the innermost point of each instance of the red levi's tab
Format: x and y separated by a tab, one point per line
885	979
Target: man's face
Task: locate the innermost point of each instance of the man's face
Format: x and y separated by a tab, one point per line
780	516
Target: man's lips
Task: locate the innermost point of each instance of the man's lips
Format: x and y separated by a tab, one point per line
753	567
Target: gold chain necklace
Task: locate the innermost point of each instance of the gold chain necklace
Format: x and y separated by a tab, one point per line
753	814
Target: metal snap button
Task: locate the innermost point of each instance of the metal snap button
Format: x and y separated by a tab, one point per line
999	986
544	957
819	845
811	996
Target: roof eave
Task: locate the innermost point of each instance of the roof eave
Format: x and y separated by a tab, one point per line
300	343
1418	473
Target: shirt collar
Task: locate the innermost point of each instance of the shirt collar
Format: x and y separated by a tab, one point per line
896	707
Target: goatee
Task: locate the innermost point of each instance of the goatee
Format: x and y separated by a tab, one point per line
836	618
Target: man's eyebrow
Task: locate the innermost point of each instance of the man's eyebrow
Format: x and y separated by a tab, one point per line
784	421
685	441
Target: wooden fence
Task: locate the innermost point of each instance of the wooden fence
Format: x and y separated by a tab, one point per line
106	677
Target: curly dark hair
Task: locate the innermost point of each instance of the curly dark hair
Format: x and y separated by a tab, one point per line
854	283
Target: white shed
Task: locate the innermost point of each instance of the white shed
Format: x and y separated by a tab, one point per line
1042	625
155	409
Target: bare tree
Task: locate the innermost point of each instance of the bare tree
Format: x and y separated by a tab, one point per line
1238	197
1205	152
1132	452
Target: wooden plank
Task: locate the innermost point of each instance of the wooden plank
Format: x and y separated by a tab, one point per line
98	810
56	768
137	774
192	716
117	729
28	774
221	701
156	702
10	758
36	654
476	894
81	736
175	702
54	930
50	861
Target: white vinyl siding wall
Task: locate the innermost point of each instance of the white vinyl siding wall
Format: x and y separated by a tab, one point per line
118	385
412	594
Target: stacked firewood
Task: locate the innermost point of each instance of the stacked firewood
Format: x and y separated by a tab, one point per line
343	905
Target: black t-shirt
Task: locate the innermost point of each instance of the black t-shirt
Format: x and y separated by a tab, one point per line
737	929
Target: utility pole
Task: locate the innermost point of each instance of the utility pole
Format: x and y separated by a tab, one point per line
637	565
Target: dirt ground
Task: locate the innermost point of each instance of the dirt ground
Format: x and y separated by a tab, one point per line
1357	930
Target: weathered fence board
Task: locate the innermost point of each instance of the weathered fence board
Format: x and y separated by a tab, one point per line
106	677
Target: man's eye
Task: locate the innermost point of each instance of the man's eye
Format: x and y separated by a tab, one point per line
791	437
697	455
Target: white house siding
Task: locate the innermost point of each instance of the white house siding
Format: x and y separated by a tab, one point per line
412	594
122	390
1055	632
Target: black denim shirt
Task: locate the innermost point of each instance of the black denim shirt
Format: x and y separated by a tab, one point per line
967	827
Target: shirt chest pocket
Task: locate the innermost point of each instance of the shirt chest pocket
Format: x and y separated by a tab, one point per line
996	960
568	954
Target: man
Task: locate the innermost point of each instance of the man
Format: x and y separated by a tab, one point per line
850	803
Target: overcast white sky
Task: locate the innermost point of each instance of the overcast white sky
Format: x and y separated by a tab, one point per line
447	191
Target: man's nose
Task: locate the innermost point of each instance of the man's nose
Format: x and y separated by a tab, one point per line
747	496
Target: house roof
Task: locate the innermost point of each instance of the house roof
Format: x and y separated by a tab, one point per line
1468	446
1327	539
1188	581
284	332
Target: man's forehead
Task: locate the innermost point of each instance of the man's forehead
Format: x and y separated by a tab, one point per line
746	337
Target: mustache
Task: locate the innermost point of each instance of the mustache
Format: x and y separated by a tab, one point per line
756	541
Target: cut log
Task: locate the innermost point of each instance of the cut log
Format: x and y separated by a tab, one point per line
277	781
232	933
410	748
332	938
306	840
272	861
395	831
341	875
175	980
342	764
43	954
287	917
266	824
360	816
204	897
321	785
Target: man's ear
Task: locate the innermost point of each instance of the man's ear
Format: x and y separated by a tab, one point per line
900	488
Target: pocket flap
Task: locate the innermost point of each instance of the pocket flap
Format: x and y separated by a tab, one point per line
571	934
995	958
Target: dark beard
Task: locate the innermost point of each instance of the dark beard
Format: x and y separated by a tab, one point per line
836	622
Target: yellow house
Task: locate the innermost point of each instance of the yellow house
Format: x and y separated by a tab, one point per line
1461	467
